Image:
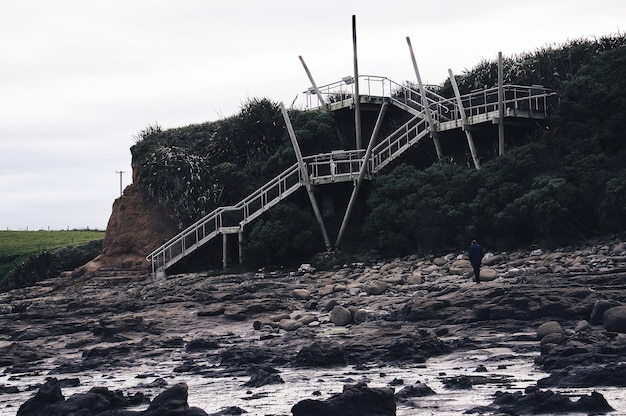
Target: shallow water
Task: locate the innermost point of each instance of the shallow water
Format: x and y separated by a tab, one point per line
506	371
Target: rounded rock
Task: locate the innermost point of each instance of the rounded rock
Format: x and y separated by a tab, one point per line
301	294
340	316
615	319
550	327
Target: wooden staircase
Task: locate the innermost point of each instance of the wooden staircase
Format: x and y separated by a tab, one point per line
343	166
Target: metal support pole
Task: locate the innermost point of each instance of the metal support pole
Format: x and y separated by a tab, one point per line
424	99
240	238
317	91
224	250
305	177
500	105
362	172
468	134
357	95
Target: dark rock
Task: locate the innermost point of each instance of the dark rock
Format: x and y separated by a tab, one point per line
212	311
501	312
49	401
599	307
615	319
202	344
261	376
173	399
230	411
554	338
535	401
48	394
458	383
356	399
416	390
422	309
550	327
238	356
587	376
320	355
340	316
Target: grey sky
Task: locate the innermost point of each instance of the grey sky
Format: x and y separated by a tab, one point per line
79	78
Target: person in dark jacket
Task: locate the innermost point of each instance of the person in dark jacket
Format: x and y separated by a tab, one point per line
475	254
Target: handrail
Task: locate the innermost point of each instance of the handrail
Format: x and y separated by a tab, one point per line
344	165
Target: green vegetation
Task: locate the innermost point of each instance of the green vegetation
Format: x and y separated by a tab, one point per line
553	186
29	256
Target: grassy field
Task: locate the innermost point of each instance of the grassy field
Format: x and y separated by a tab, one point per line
17	243
16	246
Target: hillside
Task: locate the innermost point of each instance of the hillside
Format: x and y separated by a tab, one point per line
563	183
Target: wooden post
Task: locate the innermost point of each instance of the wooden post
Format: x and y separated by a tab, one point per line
357	96
364	168
317	91
305	177
500	105
468	134
424	99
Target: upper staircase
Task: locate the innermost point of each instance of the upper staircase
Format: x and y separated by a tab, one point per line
342	166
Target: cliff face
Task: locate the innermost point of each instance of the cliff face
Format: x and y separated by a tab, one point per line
136	227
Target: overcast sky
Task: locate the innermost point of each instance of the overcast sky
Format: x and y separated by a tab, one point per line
80	78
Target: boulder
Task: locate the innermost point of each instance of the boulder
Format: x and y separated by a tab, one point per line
358	399
306	268
375	287
48	394
99	400
439	261
330	305
301	294
552	338
491	260
262	376
289	325
582	326
550	327
416	390
415	278
599	307
326	290
360	316
319	355
535	401
615	319
340	316
488	274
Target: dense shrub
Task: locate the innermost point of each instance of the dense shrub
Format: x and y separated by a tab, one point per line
285	235
49	264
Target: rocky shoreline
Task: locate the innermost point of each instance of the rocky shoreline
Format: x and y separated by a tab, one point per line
565	305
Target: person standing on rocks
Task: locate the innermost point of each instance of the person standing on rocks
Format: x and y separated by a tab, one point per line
475	254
